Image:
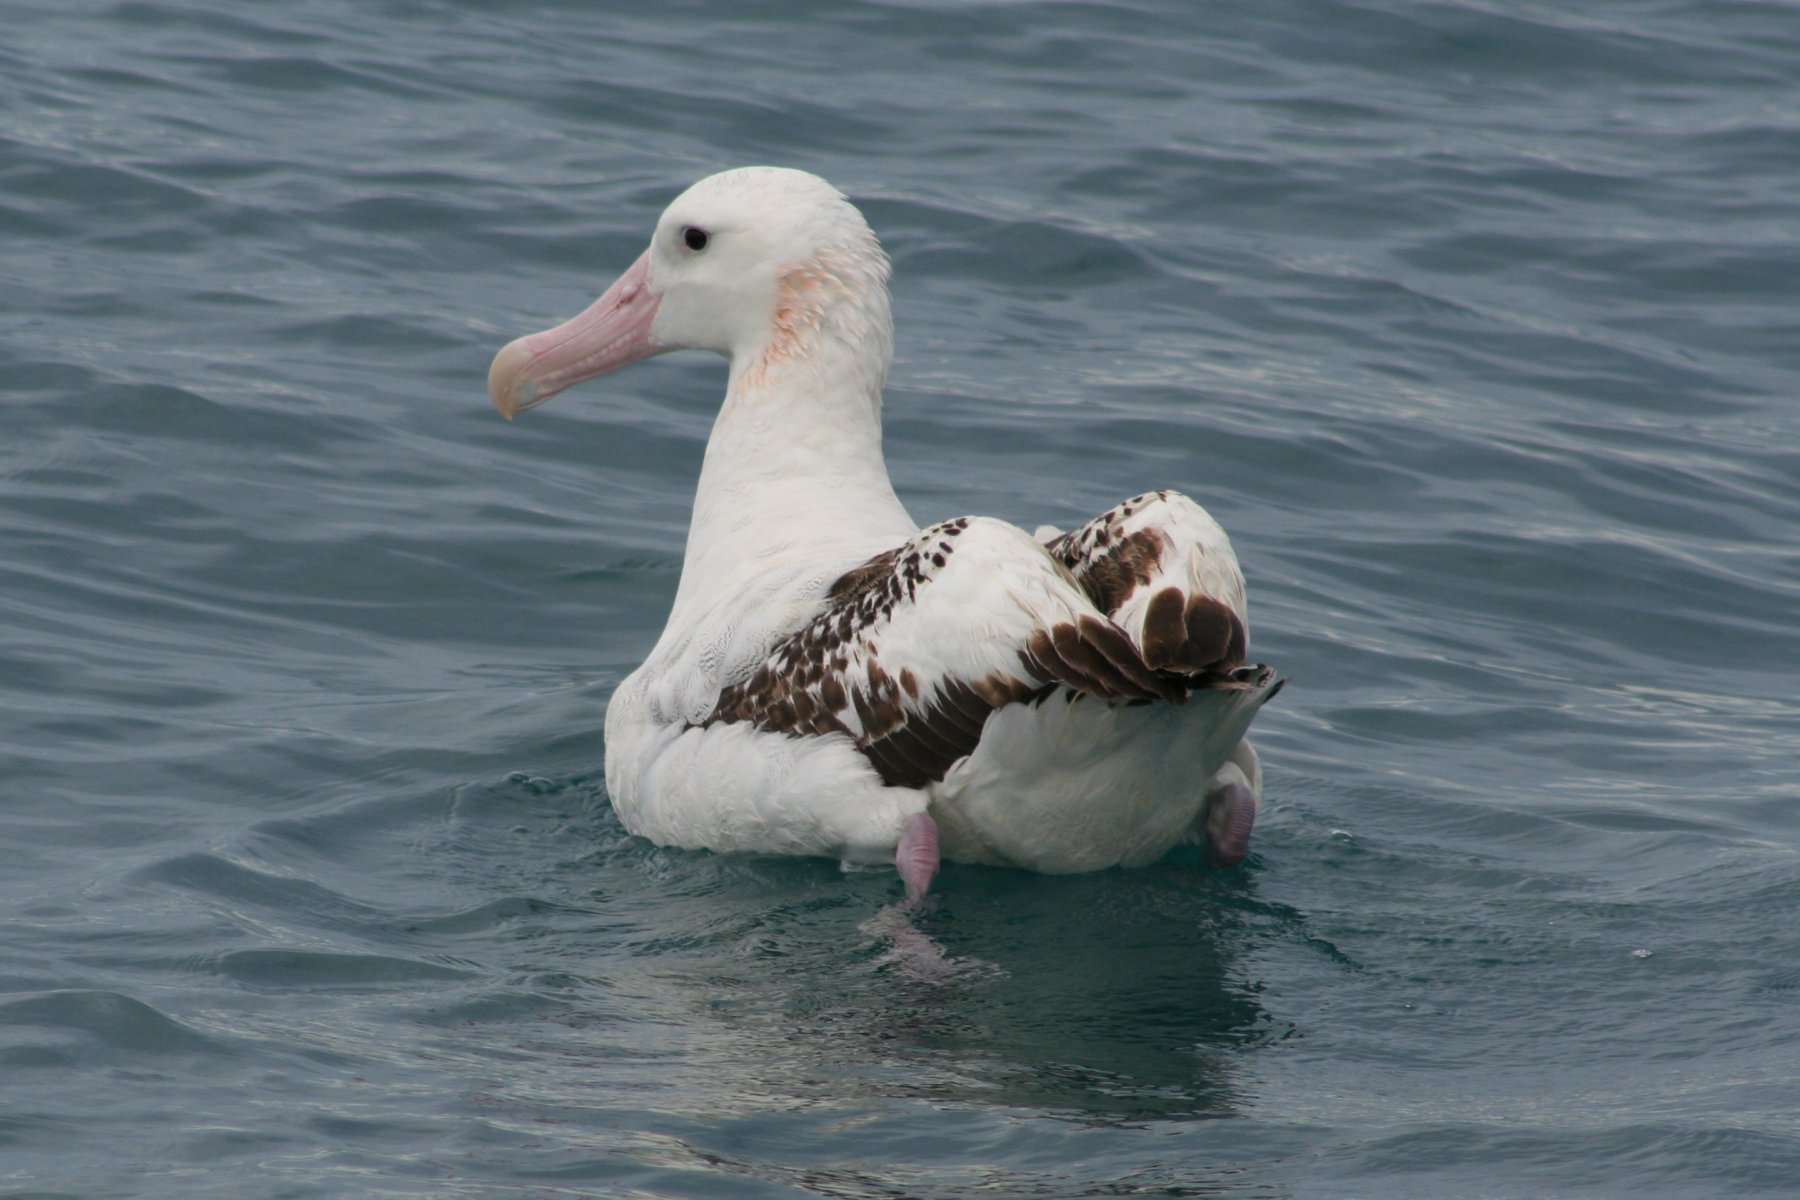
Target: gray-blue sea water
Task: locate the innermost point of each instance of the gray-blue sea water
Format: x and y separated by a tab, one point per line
1476	323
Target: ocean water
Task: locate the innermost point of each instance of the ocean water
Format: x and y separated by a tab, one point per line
1475	324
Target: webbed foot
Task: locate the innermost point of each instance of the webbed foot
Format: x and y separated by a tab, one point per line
916	857
1230	816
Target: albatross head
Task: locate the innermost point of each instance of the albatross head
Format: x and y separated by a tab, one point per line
770	267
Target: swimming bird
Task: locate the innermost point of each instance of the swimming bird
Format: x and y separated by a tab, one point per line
834	679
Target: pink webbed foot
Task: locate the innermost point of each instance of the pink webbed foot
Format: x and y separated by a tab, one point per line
916	857
1230	816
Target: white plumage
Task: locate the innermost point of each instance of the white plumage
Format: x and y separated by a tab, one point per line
835	681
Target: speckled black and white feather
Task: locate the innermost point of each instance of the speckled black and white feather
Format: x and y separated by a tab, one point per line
1161	568
887	663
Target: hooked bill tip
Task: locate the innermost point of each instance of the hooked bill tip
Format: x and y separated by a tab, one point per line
511	394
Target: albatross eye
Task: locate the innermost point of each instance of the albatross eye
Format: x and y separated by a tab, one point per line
695	238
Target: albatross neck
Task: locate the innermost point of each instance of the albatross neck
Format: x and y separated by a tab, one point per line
794	472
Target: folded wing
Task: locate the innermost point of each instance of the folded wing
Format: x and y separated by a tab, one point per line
917	647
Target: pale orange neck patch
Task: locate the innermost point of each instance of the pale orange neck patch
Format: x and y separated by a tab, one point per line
808	297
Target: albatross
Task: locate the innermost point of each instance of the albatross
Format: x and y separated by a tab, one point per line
835	680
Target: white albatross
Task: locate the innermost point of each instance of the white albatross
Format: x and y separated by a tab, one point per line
834	680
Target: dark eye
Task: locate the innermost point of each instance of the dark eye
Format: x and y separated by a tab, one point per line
695	238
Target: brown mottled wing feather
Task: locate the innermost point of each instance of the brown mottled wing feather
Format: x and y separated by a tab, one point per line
1136	549
843	672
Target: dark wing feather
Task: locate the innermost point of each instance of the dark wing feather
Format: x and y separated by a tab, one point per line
1151	559
1022	628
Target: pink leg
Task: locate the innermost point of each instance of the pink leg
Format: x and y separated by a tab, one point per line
916	857
1230	815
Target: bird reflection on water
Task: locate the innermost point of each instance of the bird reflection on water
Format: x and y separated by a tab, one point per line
1114	997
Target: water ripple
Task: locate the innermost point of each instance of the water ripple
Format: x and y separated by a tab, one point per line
1473	325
